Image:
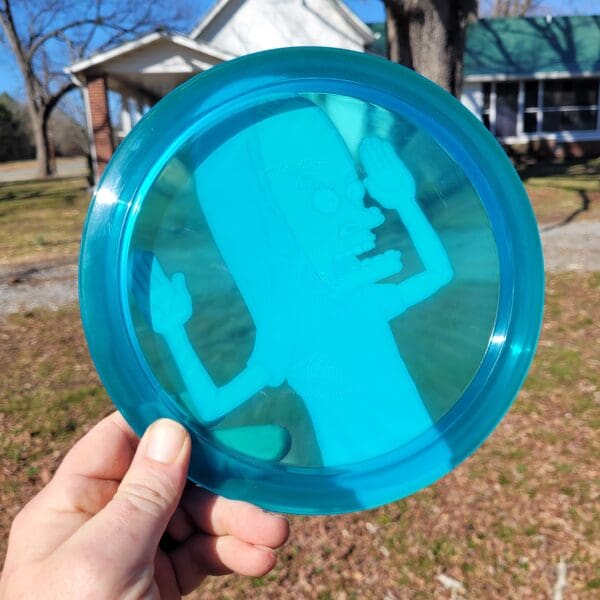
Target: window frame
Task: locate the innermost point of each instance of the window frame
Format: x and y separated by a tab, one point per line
538	110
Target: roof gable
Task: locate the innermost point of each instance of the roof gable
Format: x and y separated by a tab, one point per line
243	26
153	64
157	51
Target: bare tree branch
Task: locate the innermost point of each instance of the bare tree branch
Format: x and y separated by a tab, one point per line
511	8
45	36
57	97
39	40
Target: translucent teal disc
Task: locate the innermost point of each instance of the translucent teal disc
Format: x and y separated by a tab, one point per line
325	267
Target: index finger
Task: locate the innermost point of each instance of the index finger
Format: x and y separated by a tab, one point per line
105	452
219	516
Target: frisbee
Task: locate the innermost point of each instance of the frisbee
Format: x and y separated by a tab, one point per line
324	267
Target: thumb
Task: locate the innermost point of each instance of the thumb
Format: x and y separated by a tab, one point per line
179	282
133	522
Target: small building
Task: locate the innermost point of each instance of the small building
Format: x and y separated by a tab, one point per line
535	82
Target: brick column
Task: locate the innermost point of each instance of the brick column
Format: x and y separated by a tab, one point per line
98	116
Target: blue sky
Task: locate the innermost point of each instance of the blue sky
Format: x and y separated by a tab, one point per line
369	10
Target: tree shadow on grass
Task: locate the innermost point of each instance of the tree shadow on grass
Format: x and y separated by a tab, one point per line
585	206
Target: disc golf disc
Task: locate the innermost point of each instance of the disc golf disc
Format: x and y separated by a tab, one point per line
321	264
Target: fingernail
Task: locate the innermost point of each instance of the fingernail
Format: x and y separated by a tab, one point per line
165	440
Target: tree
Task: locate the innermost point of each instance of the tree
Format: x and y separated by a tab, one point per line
429	37
514	8
46	36
14	138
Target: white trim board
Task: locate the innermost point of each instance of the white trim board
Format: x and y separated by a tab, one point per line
355	21
208	18
90	132
559	136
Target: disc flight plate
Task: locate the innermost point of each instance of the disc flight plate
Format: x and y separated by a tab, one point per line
323	266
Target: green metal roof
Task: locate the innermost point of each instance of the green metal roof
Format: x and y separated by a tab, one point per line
520	46
379	46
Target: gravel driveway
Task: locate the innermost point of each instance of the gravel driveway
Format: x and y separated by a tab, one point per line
571	247
27	169
48	285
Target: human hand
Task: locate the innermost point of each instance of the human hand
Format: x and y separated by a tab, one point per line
388	179
95	530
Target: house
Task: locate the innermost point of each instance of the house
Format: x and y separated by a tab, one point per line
144	70
534	82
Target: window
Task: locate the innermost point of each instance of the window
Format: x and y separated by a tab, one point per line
531	95
570	92
531	106
485	113
579	119
513	108
570	105
507	108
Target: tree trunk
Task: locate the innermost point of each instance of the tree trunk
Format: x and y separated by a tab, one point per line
50	145
39	110
42	144
429	37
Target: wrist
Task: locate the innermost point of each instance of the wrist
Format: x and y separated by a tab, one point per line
175	337
401	202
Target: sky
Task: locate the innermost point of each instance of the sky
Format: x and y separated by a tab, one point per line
368	10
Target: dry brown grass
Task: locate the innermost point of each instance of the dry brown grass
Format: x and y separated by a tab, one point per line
41	220
499	523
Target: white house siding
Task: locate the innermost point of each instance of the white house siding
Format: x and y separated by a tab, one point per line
144	70
245	26
472	97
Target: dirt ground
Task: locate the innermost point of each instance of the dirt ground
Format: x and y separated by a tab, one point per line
499	524
31	281
53	283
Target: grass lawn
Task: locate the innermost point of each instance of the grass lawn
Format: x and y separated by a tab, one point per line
499	523
40	220
561	193
43	219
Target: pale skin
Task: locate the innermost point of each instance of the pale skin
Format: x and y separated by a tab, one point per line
95	530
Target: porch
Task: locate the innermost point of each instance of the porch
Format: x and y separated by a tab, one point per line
120	85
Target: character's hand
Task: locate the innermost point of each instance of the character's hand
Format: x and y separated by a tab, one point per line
170	300
95	530
388	179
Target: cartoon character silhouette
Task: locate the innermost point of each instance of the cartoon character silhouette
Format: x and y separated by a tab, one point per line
286	208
